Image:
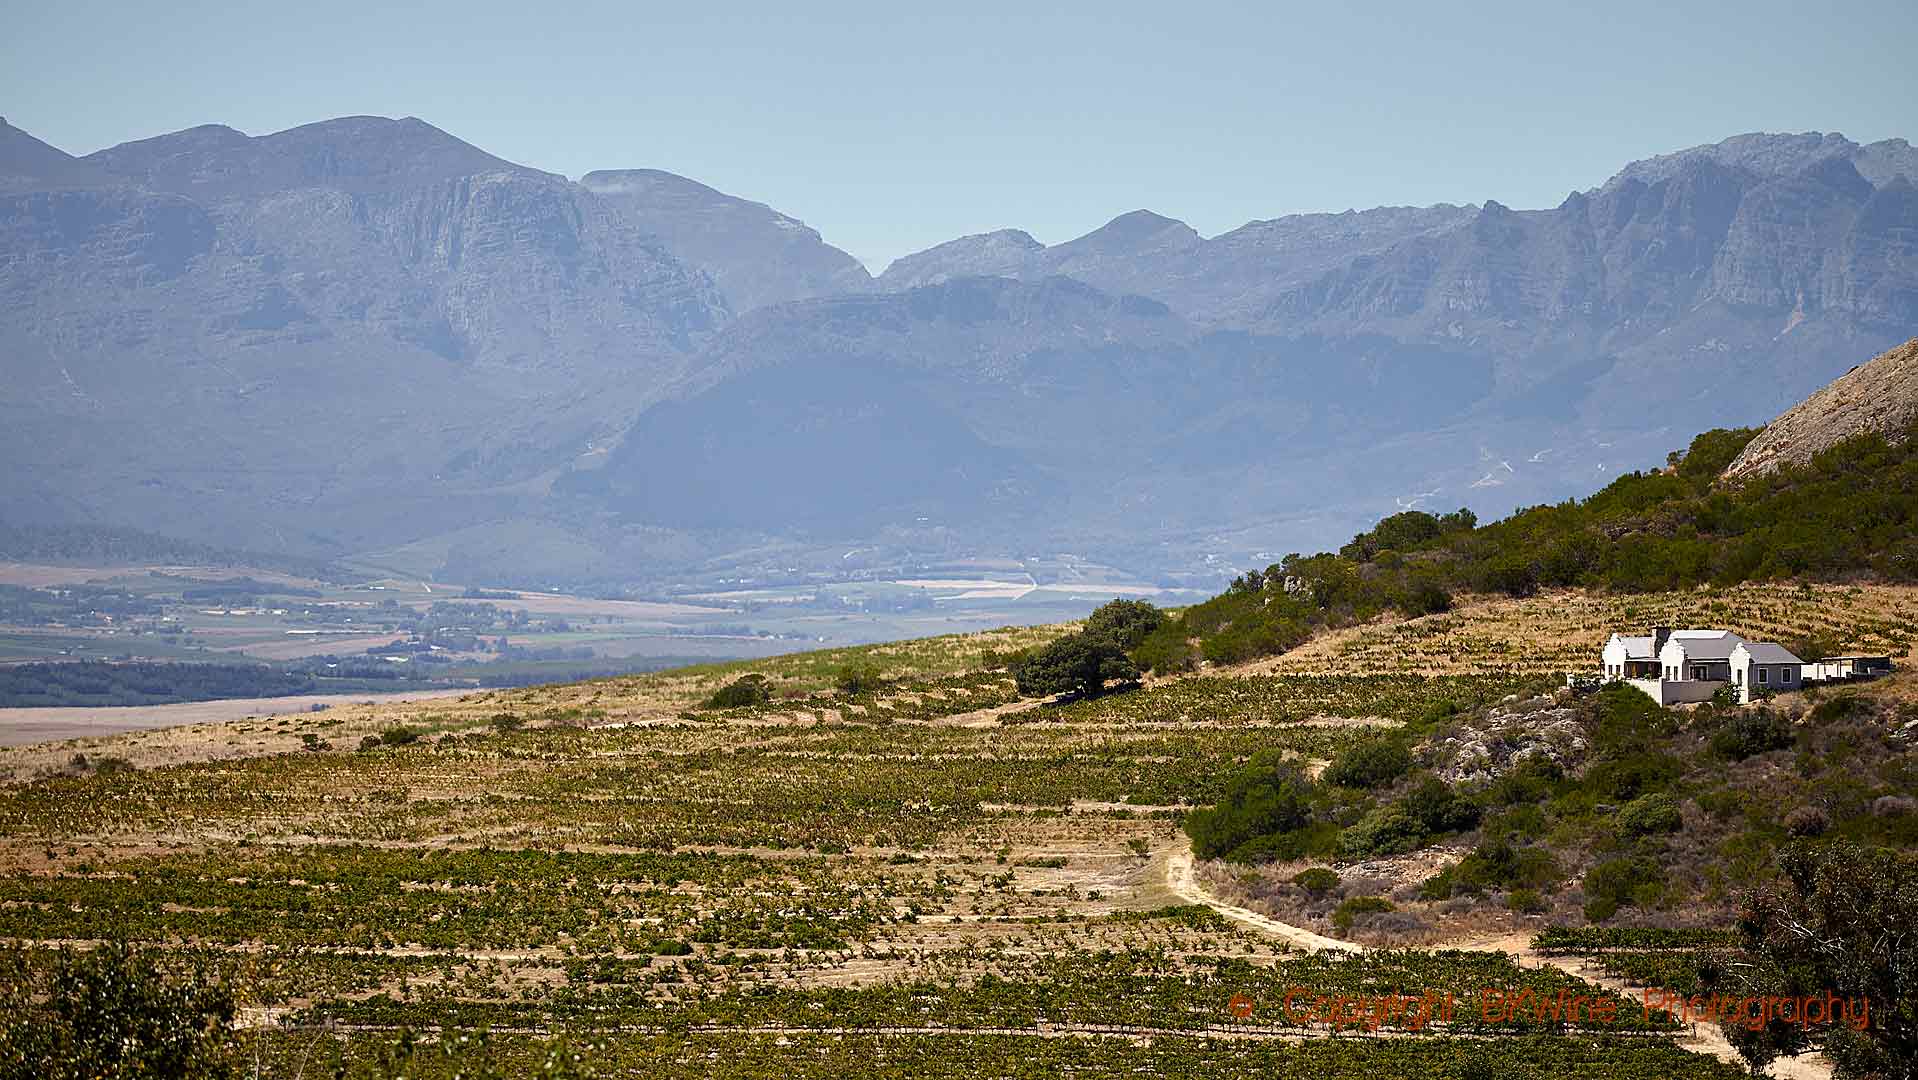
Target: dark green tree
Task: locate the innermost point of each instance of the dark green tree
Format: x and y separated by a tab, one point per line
1078	664
1843	920
1268	796
114	1013
1126	622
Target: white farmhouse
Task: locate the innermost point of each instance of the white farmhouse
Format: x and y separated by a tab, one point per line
1633	657
1676	666
1698	656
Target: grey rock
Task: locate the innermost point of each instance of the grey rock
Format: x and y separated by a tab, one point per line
756	255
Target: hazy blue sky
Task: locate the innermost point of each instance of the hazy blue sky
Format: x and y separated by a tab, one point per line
889	130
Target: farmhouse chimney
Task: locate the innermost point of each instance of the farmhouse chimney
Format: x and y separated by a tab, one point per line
1660	635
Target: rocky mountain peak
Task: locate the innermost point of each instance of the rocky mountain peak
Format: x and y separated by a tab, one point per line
27	164
1006	252
1132	232
1778	156
355	154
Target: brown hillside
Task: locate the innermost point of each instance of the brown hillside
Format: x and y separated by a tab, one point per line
1880	395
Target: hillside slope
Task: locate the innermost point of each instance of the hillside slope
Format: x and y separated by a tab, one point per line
1880	395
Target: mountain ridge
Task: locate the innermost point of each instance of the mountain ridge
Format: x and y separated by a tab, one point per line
366	334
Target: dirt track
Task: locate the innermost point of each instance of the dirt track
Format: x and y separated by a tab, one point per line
1701	1039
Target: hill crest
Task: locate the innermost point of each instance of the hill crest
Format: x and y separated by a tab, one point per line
1880	395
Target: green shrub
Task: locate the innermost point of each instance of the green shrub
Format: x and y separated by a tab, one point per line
1648	815
1628	881
741	692
115	1011
1374	763
1439	809
1265	798
1751	731
1526	902
1494	864
858	677
1124	622
1166	651
1385	830
400	735
672	948
1349	910
1531	781
1077	663
1425	597
1316	880
1315	840
1626	778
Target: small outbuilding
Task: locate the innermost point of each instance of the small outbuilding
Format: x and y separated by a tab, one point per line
1764	665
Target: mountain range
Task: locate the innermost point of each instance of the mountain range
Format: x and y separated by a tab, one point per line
366	339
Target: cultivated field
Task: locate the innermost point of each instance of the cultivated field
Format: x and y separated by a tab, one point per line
1562	631
927	877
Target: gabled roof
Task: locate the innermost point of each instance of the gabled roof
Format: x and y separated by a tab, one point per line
1705	644
1767	652
1636	648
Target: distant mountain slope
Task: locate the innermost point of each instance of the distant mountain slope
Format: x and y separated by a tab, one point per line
1007	253
308	340
984	402
1735	222
1880	395
27	164
755	254
1718	284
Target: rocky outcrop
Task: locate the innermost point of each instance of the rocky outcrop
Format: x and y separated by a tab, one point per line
1483	748
1011	253
755	254
1879	396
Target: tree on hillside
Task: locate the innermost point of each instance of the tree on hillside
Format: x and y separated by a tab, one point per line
1844	921
1126	622
1077	663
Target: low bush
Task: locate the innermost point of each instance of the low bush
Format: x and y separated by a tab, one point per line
1494	864
1751	731
1316	880
741	692
858	677
1348	911
1267	797
1385	830
1375	763
1628	881
114	1011
1649	815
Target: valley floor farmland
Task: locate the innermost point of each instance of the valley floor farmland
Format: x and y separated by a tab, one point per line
923	876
